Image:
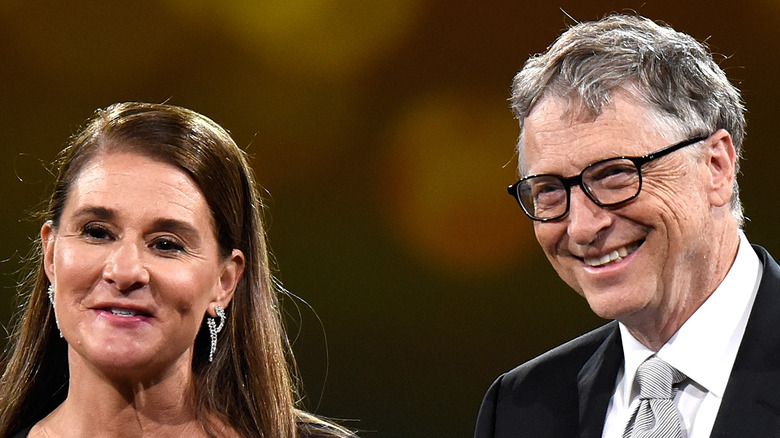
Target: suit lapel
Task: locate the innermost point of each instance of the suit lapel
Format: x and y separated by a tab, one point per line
596	382
751	402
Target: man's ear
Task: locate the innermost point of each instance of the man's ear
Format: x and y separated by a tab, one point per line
231	274
48	237
722	162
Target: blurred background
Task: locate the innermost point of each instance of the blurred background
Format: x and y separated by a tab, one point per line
381	133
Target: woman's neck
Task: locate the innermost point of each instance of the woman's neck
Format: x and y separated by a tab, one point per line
158	405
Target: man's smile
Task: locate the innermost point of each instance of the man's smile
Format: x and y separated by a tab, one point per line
613	256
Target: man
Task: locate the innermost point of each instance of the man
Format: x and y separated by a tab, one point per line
629	146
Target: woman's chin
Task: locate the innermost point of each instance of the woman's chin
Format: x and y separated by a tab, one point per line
119	360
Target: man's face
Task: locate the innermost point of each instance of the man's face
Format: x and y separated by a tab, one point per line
642	262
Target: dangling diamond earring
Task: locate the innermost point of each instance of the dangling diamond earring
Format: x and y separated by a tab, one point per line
214	330
50	291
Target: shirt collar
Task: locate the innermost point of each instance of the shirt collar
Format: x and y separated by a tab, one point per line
705	347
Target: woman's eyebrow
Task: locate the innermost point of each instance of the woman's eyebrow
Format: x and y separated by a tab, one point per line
181	228
101	213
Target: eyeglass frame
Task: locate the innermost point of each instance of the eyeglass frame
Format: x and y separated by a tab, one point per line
569	182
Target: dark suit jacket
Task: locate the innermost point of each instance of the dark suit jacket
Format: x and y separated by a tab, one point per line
566	391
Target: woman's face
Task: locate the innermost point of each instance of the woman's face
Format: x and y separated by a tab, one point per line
135	266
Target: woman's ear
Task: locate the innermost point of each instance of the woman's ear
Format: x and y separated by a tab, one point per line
48	237
230	275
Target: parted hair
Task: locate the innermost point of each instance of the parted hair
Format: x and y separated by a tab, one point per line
669	71
250	384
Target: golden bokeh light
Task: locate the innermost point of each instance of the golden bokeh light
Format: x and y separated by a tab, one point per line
449	159
331	39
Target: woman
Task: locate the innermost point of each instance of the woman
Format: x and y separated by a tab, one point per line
151	311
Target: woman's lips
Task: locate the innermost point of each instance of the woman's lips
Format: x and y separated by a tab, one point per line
123	312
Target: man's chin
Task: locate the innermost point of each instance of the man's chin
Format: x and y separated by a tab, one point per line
611	307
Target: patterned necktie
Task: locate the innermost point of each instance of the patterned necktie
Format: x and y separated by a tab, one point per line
656	416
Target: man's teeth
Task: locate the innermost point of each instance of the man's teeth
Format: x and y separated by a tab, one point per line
614	256
122	312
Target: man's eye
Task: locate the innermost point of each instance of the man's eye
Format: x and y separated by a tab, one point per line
614	176
613	169
549	193
546	189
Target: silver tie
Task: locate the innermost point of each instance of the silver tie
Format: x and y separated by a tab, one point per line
656	416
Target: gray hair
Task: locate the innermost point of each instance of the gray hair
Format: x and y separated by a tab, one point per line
669	71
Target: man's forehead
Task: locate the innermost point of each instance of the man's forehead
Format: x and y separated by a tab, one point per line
573	109
552	135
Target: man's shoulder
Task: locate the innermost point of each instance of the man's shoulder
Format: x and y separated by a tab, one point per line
541	397
766	258
564	361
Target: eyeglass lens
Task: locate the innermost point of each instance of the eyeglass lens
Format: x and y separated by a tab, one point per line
606	183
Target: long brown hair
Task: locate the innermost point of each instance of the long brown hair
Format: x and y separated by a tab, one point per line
249	385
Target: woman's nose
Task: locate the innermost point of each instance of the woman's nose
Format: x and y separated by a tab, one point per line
125	268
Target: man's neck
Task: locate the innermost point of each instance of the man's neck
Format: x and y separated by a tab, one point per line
654	331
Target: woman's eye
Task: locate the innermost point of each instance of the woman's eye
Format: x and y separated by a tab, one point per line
167	245
94	231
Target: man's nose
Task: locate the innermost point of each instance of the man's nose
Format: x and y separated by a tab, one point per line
586	219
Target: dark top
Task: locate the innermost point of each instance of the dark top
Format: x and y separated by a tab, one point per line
22	433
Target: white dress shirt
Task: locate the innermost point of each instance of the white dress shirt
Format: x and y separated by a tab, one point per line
704	349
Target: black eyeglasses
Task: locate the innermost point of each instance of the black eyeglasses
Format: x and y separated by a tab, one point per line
607	183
